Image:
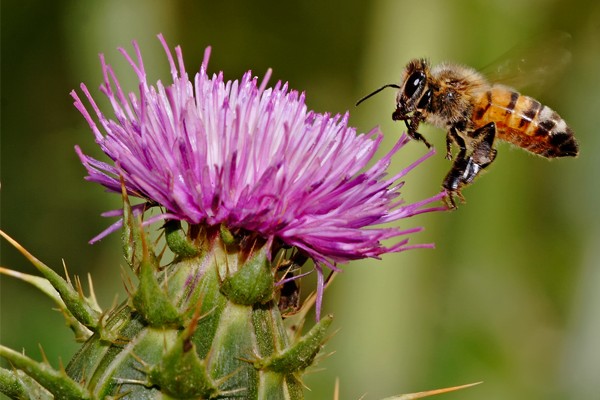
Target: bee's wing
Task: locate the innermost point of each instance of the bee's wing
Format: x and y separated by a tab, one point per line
532	65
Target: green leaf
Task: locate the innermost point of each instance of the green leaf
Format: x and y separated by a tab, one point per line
55	381
80	307
152	302
181	373
301	354
44	285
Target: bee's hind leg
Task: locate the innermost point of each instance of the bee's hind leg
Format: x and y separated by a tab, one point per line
462	172
449	198
483	150
466	168
453	137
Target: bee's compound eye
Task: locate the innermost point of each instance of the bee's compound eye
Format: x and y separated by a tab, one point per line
414	81
425	99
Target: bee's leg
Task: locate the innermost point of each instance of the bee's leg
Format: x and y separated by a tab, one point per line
412	124
448	146
465	169
462	170
289	295
449	198
483	150
453	137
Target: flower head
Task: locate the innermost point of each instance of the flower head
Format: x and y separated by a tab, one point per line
237	153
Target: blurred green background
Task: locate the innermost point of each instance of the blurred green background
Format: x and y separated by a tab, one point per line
510	294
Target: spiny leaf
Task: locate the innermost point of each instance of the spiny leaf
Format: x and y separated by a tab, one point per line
301	354
80	307
133	240
81	332
181	373
41	283
151	301
55	381
13	385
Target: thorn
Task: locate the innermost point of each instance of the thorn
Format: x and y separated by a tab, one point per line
420	395
216	264
227	269
230	375
120	395
228	393
79	287
143	239
283	277
138	359
164	245
127	282
313	370
115	302
251	252
331	335
166	281
130	381
44	358
67	278
144	366
108	334
319	357
336	389
299	379
278	259
249	360
196	317
83	380
92	292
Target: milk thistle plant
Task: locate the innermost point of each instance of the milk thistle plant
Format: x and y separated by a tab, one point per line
251	192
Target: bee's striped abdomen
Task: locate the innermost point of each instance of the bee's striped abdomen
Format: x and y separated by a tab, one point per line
525	122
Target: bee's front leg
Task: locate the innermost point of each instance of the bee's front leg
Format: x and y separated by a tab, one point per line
412	124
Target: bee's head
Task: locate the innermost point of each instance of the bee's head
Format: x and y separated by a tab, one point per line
414	93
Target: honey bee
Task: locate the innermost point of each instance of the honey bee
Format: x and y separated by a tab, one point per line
475	112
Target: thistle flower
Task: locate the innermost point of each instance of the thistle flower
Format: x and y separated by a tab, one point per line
263	185
212	152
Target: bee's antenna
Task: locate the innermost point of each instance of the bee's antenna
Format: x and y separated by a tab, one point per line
392	85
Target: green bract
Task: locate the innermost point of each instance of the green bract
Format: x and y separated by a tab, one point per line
205	325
